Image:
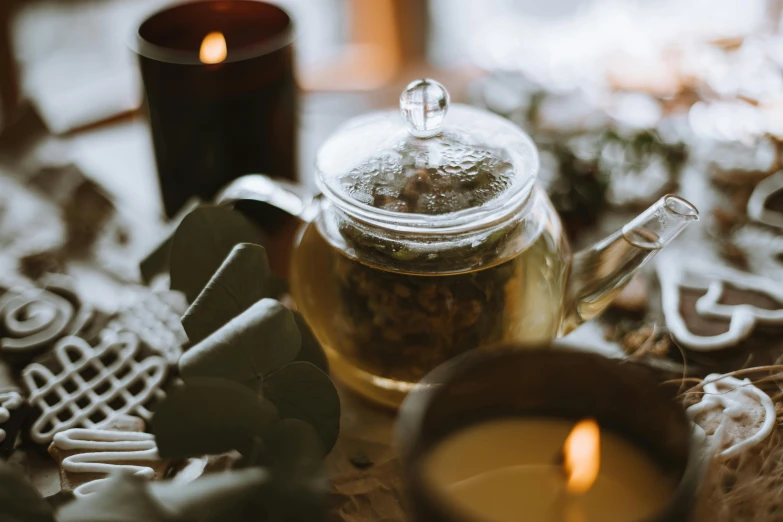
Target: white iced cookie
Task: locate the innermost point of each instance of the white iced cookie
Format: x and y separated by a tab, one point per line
757	204
9	401
86	386
154	316
87	457
729	307
761	249
734	414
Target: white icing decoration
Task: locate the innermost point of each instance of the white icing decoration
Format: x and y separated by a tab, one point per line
102	450
763	250
193	469
766	188
9	400
155	317
32	318
742	318
36	317
721	393
84	406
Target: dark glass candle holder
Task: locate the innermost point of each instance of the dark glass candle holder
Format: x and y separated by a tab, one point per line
214	122
622	397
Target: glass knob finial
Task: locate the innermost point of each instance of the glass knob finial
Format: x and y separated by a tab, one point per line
424	104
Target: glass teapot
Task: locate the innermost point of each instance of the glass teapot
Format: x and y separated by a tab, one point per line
431	238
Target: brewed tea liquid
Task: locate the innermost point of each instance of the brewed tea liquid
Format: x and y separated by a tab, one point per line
384	330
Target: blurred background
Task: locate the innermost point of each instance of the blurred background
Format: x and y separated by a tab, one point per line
623	97
626	100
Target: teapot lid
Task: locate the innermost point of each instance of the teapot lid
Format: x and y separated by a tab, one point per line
438	162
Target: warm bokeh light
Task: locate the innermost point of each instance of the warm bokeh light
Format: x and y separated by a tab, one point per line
213	48
582	453
369	59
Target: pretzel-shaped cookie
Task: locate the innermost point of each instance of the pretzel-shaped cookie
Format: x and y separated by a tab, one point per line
93	384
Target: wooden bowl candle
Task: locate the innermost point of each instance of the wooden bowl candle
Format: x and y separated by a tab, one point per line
547	435
221	94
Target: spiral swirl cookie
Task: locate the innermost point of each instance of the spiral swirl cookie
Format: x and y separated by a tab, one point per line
33	319
88	456
79	385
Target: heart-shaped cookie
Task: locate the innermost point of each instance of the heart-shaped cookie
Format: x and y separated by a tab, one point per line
710	308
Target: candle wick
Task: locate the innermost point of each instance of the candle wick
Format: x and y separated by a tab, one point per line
559	460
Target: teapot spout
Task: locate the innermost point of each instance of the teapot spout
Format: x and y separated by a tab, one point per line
599	272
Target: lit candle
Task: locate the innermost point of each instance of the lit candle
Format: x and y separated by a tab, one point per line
221	95
508	470
213	48
487	437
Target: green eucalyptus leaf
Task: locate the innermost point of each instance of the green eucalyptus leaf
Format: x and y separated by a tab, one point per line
301	391
217	497
259	340
311	350
293	448
295	454
201	243
241	281
124	498
19	500
209	416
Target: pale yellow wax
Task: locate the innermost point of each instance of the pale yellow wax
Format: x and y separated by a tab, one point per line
505	471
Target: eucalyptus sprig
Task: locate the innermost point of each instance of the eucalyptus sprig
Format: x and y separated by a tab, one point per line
255	381
241	337
255	377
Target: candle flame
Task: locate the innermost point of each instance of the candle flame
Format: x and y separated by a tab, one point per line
213	48
582	452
